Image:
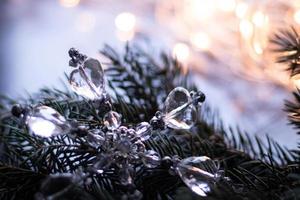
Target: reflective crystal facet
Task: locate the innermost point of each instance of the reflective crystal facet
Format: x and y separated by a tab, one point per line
143	130
112	120
46	122
151	159
180	113
198	173
95	138
88	80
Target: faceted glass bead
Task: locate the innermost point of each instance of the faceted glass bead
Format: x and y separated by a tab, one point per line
143	131
151	159
46	122
95	138
180	113
112	120
198	173
88	79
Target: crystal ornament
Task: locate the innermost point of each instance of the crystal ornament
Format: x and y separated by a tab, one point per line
143	131
112	120
180	113
151	159
46	122
95	138
88	79
198	173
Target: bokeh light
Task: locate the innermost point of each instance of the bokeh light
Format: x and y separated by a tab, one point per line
69	3
181	52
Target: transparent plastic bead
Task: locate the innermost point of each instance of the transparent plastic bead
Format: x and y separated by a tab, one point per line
151	159
180	113
46	122
198	173
88	79
112	120
143	131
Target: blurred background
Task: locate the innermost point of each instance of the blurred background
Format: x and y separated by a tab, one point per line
224	42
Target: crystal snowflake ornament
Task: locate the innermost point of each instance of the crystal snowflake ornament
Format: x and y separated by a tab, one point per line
87	79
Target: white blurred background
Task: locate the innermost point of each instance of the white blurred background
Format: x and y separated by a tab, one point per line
224	42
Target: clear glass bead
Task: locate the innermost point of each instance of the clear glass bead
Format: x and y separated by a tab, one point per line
198	173
95	138
138	147
112	120
151	159
46	122
88	79
180	113
143	131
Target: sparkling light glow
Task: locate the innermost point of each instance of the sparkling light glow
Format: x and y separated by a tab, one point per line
201	10
297	16
85	22
226	5
257	48
40	127
246	29
181	51
259	19
69	3
125	22
241	10
201	41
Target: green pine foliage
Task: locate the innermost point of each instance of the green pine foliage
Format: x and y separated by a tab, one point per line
138	84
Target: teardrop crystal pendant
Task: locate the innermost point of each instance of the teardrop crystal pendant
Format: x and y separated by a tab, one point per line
180	113
46	122
112	120
198	173
88	79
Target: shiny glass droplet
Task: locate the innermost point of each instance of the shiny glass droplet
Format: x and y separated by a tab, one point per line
88	79
46	122
198	173
151	159
143	131
112	120
180	113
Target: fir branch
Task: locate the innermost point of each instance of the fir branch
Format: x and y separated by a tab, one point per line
287	44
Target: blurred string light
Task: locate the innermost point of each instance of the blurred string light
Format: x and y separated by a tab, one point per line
181	52
69	3
226	5
297	16
85	22
125	23
241	10
200	41
230	27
